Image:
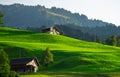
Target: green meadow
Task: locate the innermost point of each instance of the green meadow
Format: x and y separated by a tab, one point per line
72	75
70	55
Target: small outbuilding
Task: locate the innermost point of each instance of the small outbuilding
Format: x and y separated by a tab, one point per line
23	65
51	30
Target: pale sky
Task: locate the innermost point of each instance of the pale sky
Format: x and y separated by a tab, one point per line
106	10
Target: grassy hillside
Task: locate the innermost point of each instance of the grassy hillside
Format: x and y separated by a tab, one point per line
72	75
70	55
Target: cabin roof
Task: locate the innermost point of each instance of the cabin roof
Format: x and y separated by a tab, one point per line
23	61
46	29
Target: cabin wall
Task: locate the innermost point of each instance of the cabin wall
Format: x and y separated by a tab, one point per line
33	63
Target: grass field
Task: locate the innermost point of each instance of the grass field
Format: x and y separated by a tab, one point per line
72	75
70	55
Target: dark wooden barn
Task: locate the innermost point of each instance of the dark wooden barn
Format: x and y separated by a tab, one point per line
22	65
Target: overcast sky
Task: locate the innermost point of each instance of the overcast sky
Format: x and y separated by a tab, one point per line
106	10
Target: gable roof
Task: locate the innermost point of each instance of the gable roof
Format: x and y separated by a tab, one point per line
46	29
23	61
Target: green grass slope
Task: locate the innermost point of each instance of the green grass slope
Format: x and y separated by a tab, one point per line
71	55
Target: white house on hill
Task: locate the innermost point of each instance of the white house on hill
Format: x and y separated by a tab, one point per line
50	30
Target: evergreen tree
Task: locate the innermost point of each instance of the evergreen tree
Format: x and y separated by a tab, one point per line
4	64
99	40
47	57
118	40
112	40
1	15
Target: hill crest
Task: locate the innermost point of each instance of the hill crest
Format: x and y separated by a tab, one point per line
39	15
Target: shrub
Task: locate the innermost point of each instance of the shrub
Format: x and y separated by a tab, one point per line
13	74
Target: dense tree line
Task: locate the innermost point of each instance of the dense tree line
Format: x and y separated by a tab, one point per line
103	32
113	40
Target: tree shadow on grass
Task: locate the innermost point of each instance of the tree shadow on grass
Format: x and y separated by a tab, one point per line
70	74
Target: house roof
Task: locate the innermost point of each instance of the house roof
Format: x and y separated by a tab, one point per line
23	61
48	28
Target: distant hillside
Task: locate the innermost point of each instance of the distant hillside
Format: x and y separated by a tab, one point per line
22	16
70	55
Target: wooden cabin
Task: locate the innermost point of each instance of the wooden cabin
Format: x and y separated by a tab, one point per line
23	65
50	30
